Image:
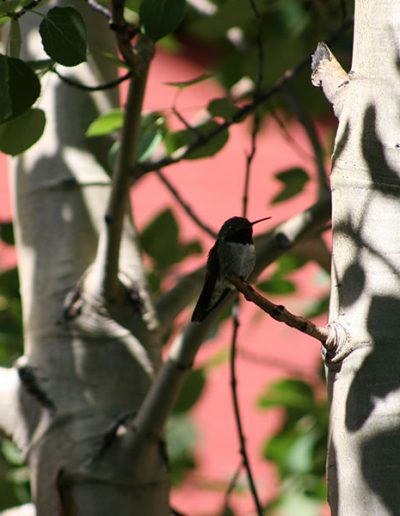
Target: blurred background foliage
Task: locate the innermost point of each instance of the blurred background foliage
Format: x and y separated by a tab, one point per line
223	35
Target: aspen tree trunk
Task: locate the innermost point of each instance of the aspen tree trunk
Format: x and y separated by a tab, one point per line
364	369
84	374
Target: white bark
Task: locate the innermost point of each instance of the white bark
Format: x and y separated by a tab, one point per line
363	373
85	375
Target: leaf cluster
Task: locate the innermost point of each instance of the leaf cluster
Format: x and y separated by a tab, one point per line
298	449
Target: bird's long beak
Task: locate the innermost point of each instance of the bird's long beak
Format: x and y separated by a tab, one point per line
259	220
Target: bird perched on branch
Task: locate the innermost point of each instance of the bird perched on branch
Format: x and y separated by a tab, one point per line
232	253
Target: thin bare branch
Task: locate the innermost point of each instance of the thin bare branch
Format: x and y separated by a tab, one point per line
231	486
28	7
85	87
184	205
123	34
279	312
107	261
101	9
249	161
273	362
286	132
256	122
260	48
188	126
236	408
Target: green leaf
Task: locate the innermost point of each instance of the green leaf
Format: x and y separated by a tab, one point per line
106	124
4	19
14	39
297	503
9	6
289	263
160	17
223	108
293	181
181	438
277	286
152	129
20	133
9	283
300	456
227	511
191	391
179	139
185	84
19	87
319	307
5	96
7	232
276	448
11	453
289	393
193	247
160	239
63	34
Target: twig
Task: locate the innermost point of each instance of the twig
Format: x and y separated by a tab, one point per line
110	239
232	485
256	121
276	363
25	9
294	143
249	161
188	126
279	312
236	408
124	35
238	116
99	87
100	9
120	189
184	205
260	49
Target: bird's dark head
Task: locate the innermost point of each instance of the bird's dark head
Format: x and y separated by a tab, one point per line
238	229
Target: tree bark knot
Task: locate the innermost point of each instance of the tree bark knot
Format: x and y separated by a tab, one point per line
338	345
30	381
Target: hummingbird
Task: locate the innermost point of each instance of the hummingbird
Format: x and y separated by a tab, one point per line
232	253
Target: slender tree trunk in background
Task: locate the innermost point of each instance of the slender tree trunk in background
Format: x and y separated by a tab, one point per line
79	381
363	372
